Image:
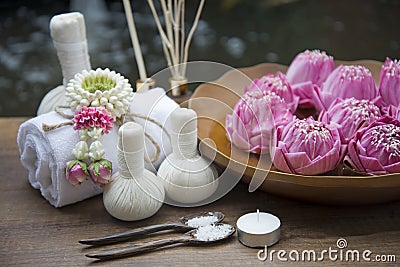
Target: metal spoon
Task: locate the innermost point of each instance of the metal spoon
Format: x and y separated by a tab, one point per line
187	238
179	225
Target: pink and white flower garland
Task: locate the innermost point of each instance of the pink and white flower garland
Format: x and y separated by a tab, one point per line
98	97
92	123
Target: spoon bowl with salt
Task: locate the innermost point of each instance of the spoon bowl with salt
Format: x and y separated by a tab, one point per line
202	235
183	224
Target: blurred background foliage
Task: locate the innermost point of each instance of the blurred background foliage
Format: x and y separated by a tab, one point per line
235	32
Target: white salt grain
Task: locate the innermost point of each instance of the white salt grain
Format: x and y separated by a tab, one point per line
213	232
202	221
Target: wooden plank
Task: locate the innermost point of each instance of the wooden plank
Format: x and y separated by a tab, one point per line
33	233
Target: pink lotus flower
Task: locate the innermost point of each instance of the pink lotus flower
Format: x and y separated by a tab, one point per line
277	84
346	82
313	66
251	125
307	147
93	117
389	84
76	172
307	69
350	114
101	172
376	149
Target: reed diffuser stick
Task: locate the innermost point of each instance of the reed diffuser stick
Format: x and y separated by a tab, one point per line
158	23
176	48
135	41
190	35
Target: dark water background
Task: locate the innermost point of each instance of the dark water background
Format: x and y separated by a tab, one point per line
235	32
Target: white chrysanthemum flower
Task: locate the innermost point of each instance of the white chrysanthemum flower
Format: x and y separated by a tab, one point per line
100	88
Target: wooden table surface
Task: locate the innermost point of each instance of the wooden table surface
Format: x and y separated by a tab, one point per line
33	233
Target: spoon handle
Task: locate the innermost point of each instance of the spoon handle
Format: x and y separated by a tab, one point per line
136	249
134	233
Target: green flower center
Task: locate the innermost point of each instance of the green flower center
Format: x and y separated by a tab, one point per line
101	83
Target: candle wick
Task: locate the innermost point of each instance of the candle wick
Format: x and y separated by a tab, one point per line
258	215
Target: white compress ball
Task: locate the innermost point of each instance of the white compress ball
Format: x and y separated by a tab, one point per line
188	178
135	193
68	32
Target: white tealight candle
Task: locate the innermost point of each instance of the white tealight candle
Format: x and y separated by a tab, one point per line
258	229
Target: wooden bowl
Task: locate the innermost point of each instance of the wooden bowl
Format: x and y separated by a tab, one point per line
213	101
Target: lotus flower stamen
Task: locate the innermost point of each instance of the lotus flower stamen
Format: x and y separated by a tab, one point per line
315	55
392	68
361	109
278	84
387	137
354	73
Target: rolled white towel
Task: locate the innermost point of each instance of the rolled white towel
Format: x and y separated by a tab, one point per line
45	154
